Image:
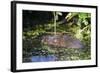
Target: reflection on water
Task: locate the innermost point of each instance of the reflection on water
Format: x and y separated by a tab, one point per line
40	58
59	55
43	58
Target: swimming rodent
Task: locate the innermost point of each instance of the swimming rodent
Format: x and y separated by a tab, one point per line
64	41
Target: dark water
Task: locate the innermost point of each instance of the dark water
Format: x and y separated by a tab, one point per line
43	58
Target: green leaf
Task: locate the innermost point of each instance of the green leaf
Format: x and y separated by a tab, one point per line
59	13
71	15
85	22
83	15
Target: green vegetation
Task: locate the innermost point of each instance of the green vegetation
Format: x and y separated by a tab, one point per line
75	24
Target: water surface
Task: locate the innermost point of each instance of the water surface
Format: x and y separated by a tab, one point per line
43	58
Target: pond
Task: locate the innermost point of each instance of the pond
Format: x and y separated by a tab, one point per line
40	58
53	48
43	58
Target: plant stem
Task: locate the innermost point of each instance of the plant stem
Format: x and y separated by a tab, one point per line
54	23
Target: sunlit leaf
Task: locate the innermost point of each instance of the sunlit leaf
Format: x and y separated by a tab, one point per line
85	22
59	13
